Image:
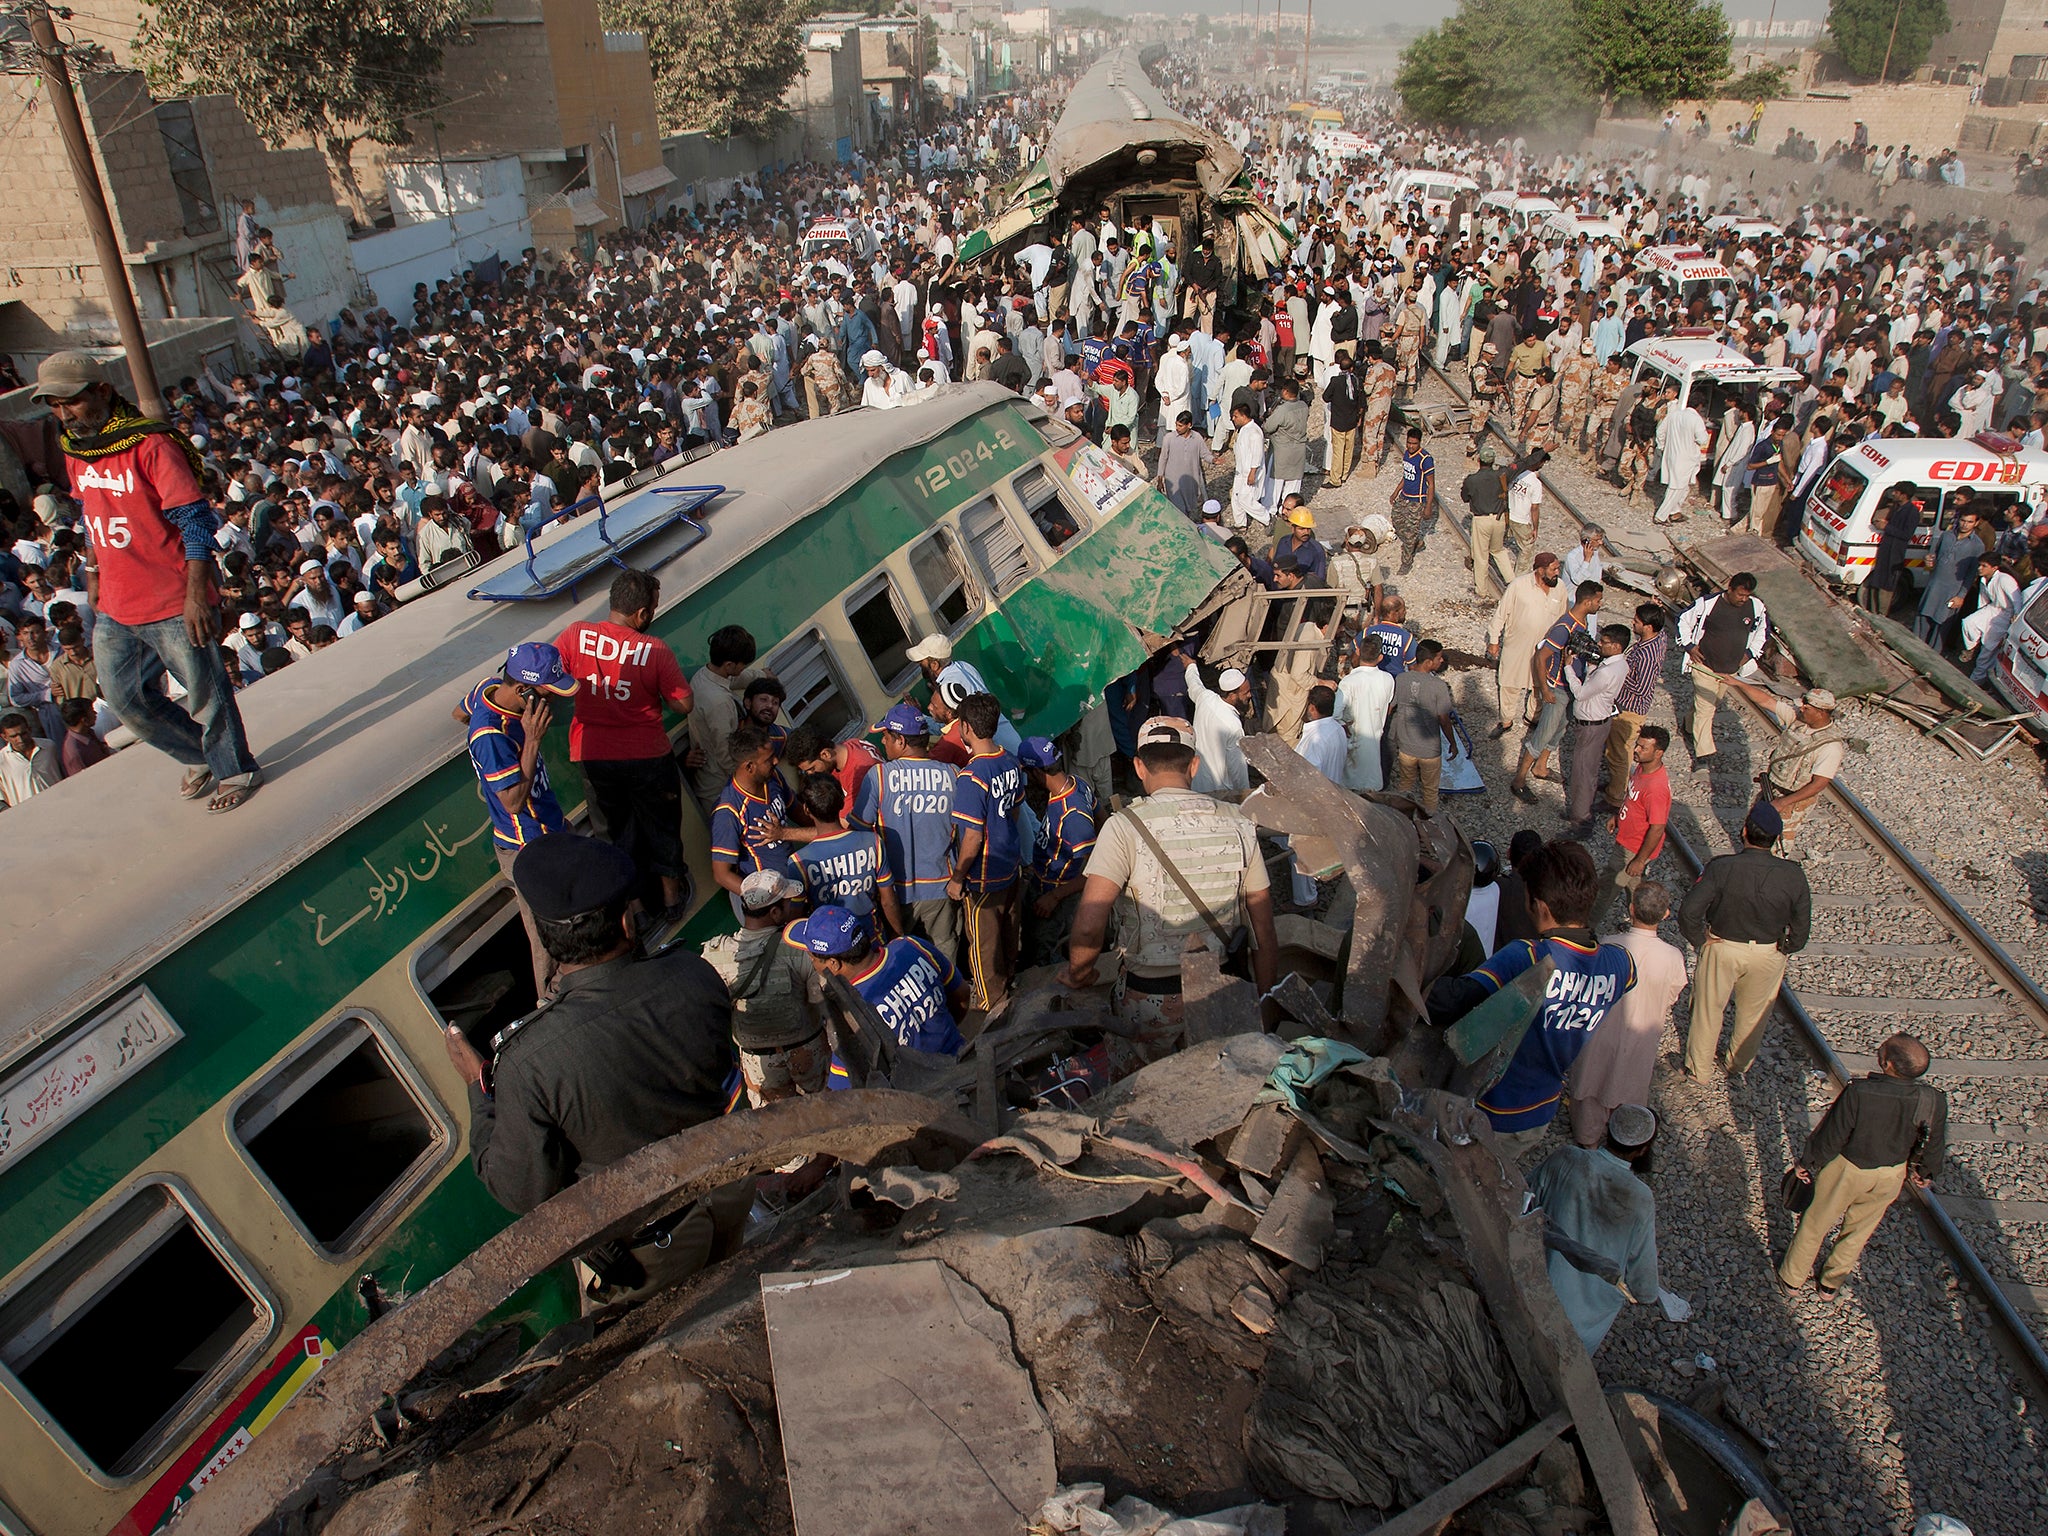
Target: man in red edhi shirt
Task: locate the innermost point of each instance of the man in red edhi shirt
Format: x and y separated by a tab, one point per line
151	579
616	737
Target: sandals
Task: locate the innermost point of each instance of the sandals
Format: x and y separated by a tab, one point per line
197	781
232	796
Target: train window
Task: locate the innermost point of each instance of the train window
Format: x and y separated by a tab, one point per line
998	546
883	630
477	973
1039	495
942	576
134	1329
817	696
341	1131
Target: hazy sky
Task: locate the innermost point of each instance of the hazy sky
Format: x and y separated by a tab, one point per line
1377	13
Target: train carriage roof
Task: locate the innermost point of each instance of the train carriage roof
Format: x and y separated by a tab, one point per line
1115	108
125	871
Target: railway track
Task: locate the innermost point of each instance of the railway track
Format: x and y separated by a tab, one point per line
1882	919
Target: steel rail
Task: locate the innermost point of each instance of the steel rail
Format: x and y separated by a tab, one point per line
2004	969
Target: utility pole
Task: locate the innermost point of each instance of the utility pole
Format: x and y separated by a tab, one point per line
1308	20
1887	66
42	32
611	142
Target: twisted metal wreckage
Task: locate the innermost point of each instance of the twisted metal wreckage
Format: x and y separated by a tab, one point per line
1359	1330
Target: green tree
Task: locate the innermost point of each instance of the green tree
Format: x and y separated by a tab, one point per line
1863	33
1499	65
720	66
1764	83
334	71
1653	51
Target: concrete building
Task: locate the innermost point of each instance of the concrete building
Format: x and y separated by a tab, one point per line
543	80
829	101
175	173
889	65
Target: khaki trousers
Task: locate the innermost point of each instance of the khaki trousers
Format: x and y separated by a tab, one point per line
1621	746
1343	456
543	962
1751	974
1858	1199
1514	692
1763	509
1489	554
1428	770
1707	689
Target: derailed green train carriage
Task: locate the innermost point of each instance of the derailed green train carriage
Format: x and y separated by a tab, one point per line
228	1125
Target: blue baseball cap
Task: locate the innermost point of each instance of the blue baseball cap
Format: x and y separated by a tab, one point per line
830	931
1039	752
539	665
905	719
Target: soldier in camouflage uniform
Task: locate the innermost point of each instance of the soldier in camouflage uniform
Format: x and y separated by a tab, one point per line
1608	384
1486	388
1215	848
1574	388
1409	326
825	382
1379	404
1538	424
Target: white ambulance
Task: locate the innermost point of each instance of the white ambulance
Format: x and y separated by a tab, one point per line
1689	270
1434	190
1836	538
1708	373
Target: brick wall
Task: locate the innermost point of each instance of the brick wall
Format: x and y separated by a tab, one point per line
501	92
1929	117
120	119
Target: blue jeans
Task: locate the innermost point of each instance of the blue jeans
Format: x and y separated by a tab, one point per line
132	661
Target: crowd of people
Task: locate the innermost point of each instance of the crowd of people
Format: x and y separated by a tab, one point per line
900	881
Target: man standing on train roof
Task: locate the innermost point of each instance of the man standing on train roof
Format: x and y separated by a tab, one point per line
636	787
508	718
627	1052
151	579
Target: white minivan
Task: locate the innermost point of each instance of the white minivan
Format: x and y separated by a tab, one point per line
1708	374
1433	189
1520	213
1836	538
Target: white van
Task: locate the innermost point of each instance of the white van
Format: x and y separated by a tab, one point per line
1569	227
1433	189
1686	268
2021	672
1708	374
1835	536
1521	213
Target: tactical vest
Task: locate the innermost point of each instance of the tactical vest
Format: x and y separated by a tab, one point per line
1155	919
767	1002
1798	746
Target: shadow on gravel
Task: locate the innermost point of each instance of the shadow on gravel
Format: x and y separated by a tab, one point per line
2033	867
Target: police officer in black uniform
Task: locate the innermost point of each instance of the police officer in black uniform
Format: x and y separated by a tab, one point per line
627	1051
